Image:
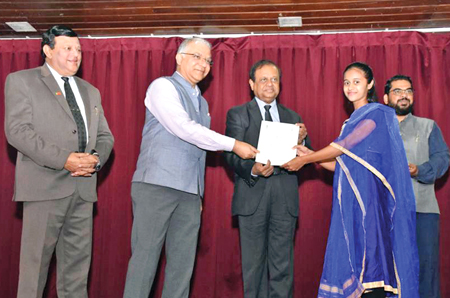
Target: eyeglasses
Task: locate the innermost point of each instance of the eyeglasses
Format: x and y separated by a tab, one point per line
400	92
199	57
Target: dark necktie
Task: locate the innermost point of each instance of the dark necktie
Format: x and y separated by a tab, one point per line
267	116
70	97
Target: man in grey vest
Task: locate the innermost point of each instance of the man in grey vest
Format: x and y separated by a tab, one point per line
428	158
169	179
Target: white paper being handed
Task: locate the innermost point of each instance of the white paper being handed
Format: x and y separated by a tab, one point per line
276	141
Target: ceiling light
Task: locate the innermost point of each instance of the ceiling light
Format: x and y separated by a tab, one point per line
21	26
290	21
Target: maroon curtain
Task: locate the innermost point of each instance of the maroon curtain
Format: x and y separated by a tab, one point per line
312	68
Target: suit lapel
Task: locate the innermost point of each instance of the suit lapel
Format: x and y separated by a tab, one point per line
282	112
85	98
255	118
254	113
49	80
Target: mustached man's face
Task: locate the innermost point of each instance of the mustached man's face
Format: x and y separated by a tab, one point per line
193	66
267	83
65	57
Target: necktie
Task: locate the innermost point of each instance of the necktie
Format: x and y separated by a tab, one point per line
70	97
267	116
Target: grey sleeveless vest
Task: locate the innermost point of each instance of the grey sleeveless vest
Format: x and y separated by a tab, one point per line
167	160
415	132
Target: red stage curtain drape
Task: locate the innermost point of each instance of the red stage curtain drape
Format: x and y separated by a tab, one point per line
312	66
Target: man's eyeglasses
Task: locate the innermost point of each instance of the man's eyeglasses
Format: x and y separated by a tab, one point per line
199	57
400	92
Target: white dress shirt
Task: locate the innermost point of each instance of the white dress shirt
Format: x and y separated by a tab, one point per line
163	102
273	109
75	91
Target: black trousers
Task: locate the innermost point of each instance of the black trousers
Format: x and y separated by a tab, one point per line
267	245
376	293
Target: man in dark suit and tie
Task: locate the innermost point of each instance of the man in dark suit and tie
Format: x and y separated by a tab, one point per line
56	122
265	197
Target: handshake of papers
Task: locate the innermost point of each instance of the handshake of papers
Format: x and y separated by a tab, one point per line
276	141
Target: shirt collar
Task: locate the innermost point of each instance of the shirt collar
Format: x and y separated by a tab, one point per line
261	103
55	73
197	90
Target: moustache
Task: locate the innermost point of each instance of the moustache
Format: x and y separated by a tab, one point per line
404	98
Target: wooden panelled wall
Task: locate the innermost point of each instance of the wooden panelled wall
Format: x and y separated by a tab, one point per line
158	17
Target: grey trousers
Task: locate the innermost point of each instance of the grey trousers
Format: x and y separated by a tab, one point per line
64	225
162	214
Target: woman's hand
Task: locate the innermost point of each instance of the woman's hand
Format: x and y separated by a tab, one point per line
294	164
302	150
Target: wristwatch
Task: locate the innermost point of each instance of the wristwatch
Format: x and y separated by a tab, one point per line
98	165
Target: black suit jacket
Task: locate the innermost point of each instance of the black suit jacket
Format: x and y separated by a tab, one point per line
244	123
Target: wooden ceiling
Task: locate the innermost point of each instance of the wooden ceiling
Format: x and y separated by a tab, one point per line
174	17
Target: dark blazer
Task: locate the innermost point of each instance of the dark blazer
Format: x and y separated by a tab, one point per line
40	125
244	123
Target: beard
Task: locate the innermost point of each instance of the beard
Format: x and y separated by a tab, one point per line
400	111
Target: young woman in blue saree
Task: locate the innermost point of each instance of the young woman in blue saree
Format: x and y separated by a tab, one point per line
371	249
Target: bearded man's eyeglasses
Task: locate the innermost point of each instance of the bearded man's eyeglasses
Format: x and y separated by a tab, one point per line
400	92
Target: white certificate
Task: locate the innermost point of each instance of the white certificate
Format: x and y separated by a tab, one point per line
276	141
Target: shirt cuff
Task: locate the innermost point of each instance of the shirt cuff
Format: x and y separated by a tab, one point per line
228	143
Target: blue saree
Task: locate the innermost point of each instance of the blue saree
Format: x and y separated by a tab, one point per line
371	241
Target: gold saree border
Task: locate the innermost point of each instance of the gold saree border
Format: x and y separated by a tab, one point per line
356	294
381	284
361	206
366	165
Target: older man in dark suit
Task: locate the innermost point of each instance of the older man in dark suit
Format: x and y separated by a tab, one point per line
265	197
56	122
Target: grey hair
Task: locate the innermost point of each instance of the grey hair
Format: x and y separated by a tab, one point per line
187	41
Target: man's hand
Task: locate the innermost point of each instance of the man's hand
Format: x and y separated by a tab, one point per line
413	170
73	161
294	164
302	132
262	170
244	150
87	166
81	164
